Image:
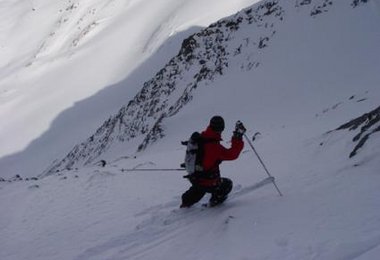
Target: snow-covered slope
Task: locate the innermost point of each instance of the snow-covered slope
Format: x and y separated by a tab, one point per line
305	77
66	66
284	45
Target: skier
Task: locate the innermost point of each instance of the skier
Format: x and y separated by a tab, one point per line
209	180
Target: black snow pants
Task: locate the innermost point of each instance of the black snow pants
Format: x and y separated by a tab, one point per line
219	193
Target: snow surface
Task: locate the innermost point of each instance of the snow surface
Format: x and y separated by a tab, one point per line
318	73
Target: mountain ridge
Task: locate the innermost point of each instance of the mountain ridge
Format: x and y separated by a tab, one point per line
202	57
212	59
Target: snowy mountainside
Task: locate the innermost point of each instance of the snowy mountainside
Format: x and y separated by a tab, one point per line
240	41
312	93
62	61
201	57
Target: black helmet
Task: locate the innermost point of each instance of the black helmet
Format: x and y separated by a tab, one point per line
217	123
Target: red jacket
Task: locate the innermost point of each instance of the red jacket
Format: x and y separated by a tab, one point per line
215	153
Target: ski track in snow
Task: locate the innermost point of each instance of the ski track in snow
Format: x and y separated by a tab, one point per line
164	224
272	226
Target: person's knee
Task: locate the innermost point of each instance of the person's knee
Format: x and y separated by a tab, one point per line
227	185
227	182
192	196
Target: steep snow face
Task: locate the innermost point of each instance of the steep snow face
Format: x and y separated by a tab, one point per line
55	54
202	57
318	71
296	54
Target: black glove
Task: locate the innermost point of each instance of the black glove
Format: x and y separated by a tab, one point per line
239	130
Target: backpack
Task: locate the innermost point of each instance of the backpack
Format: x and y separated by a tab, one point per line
194	154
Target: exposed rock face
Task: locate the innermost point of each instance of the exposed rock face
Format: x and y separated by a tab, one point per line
368	124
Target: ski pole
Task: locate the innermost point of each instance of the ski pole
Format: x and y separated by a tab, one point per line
150	170
262	163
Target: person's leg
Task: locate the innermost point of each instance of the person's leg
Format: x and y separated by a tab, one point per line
192	196
220	193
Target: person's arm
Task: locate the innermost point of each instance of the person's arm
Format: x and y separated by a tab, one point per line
237	144
232	153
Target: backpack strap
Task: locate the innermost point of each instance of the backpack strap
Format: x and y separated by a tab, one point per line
201	143
205	174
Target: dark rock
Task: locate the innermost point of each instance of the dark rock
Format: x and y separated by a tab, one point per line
369	123
356	3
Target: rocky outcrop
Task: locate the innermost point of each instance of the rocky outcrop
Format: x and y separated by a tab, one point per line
366	125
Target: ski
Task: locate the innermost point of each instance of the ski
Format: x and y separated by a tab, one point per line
253	187
243	191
